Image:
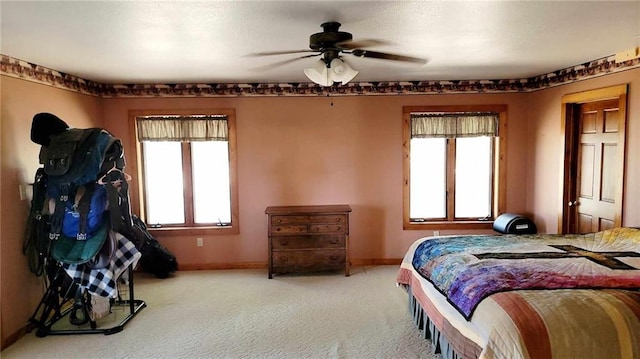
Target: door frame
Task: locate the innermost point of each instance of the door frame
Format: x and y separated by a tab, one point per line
569	143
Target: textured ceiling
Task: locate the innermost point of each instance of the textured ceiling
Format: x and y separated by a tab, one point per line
147	42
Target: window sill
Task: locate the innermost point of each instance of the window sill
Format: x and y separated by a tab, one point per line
448	225
188	231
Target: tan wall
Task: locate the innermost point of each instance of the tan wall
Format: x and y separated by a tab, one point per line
20	289
545	152
302	150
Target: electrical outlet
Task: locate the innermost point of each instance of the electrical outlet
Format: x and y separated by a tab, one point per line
436	233
199	242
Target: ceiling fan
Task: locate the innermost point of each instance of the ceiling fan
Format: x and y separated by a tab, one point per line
331	44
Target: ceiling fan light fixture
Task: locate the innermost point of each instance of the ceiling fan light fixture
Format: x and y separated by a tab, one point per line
319	74
331	44
341	71
337	71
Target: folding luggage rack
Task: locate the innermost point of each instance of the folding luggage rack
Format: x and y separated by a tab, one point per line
60	301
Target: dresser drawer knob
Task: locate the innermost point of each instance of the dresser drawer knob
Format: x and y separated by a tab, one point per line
334	241
333	258
284	242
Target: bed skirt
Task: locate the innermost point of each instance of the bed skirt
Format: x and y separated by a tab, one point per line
428	328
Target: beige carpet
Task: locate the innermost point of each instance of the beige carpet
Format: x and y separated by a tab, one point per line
242	314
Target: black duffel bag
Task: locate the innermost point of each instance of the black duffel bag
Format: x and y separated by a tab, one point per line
156	259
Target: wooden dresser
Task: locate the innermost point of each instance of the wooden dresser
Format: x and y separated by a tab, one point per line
308	238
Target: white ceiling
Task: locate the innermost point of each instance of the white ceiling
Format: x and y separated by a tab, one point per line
147	42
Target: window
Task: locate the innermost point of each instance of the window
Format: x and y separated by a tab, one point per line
187	170
453	166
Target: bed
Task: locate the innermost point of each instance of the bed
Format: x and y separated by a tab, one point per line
527	296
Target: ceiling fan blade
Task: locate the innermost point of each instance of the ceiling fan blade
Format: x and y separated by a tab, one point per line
269	53
350	45
283	62
386	56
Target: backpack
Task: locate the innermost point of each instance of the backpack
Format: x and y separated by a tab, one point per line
82	158
86	188
84	214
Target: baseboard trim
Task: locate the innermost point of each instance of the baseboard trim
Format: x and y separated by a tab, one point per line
214	266
375	261
6	342
264	265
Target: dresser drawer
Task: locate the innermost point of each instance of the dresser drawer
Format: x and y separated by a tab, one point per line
289	229
308	259
301	242
309	219
327	228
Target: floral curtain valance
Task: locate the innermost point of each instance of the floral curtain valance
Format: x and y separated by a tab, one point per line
451	125
182	128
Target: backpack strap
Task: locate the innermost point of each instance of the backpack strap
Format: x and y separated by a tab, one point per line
84	205
36	240
58	213
119	208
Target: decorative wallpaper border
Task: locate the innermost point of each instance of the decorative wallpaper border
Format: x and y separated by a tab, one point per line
12	67
27	71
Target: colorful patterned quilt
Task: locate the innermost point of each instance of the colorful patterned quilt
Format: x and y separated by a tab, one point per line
467	269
